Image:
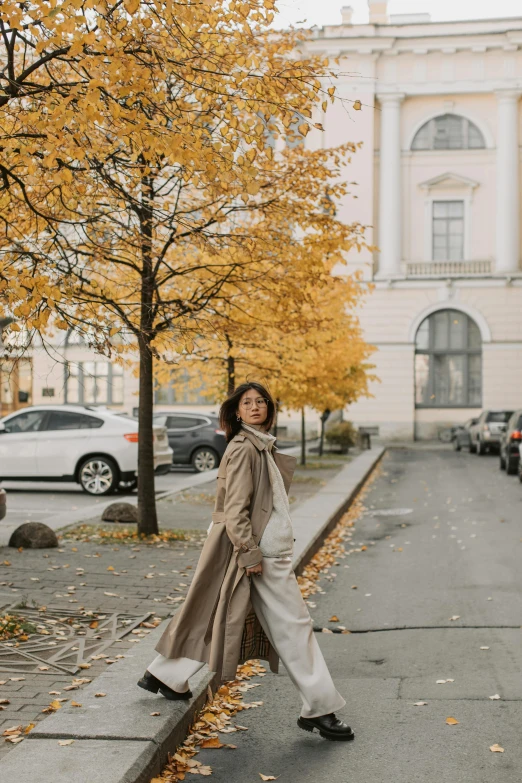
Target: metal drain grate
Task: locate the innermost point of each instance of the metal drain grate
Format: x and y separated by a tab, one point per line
65	639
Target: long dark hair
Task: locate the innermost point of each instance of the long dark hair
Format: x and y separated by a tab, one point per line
228	411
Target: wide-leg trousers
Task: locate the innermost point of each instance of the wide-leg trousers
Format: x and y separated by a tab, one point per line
282	612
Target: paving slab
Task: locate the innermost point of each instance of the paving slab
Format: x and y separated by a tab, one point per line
85	761
125	712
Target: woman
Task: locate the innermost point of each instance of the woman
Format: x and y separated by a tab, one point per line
244	601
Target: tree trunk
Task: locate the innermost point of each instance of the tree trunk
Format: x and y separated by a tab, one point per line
303	437
321	439
147	513
274	428
231	367
231	374
324	418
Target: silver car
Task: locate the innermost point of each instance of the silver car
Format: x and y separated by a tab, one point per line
485	435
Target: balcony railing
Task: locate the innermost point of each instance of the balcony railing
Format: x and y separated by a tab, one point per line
447	268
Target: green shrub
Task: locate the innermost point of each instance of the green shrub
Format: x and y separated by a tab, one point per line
343	434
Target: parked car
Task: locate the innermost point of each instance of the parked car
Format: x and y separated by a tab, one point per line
3	503
93	447
510	441
486	433
196	438
461	435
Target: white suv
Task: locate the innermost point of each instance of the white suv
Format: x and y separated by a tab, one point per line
94	447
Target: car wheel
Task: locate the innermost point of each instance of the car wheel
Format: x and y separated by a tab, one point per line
204	459
472	448
481	449
511	466
502	461
99	475
456	444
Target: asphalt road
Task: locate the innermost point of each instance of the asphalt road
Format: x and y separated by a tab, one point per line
33	501
451	550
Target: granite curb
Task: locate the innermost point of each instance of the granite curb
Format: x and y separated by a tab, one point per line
116	738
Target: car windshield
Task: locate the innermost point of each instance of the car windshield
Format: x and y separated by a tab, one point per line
499	416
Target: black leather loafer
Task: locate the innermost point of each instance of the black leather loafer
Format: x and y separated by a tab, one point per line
328	726
151	683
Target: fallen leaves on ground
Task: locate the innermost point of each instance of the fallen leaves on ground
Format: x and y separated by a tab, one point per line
496	748
336	546
267	777
420	704
99	695
214	718
14	734
14	627
495	697
333	619
53	706
451	721
125	535
65	742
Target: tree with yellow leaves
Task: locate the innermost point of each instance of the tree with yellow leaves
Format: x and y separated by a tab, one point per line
307	345
140	184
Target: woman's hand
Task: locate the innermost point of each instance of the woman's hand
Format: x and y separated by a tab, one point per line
257	569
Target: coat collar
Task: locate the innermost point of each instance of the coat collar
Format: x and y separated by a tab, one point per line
252	438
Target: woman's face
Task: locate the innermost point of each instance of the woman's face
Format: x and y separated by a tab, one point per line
253	408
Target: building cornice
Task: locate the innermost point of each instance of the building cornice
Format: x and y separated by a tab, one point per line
389	40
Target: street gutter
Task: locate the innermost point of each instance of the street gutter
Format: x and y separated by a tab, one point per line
116	739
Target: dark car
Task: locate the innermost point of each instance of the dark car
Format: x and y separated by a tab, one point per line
461	435
486	433
509	444
3	503
196	438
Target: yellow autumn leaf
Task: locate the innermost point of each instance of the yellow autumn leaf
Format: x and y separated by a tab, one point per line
357	105
131	6
213	742
451	721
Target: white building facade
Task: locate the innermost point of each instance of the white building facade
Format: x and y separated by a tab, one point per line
438	187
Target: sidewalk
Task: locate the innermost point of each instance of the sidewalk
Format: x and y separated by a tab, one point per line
140	741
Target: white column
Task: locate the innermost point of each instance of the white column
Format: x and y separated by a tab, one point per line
508	233
390	192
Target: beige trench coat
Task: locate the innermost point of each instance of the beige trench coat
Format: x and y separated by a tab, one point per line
216	623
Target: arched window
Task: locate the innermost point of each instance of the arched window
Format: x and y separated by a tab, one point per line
448	361
448	132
